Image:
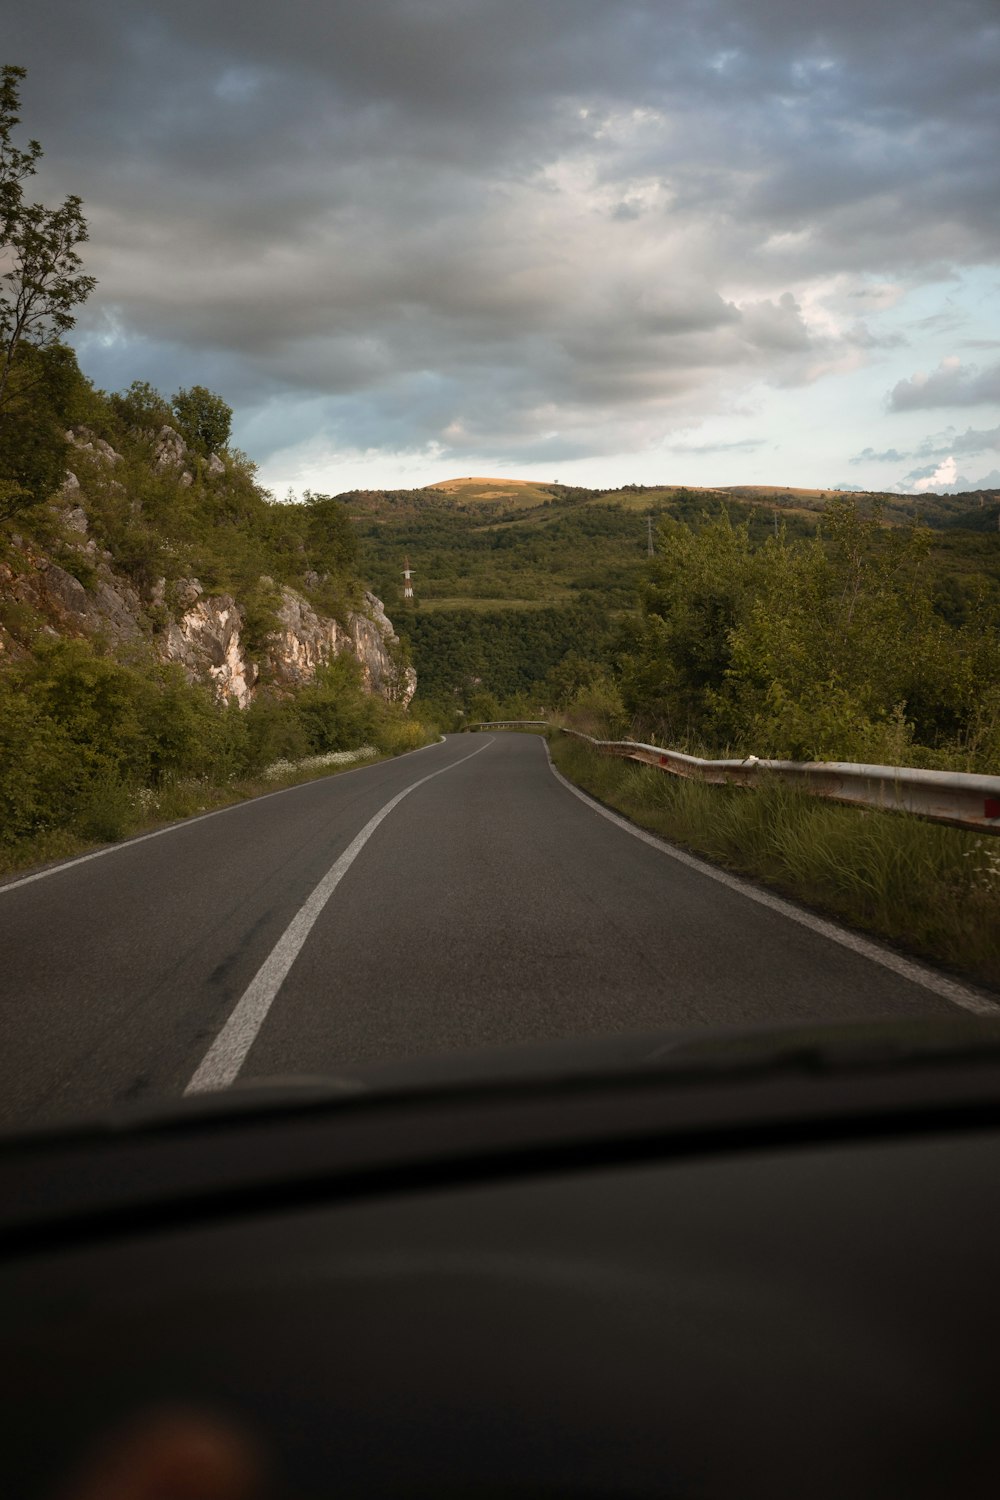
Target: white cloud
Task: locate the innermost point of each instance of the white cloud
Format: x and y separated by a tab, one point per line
942	478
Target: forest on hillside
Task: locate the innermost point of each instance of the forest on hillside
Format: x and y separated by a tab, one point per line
853	631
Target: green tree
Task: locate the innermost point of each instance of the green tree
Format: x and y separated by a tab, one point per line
39	290
46	393
43	282
695	596
204	419
141	407
330	540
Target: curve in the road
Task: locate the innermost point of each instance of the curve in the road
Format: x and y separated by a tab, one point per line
397	912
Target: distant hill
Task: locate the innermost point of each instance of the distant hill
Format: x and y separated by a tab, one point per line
482	543
499	493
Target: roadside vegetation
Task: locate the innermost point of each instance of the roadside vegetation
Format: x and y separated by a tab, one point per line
93	749
850	645
930	889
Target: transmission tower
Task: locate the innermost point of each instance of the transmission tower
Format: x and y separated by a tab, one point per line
649	536
407	585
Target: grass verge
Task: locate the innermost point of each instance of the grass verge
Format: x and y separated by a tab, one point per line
930	889
117	812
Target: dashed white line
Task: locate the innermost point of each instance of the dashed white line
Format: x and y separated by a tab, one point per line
225	1057
939	984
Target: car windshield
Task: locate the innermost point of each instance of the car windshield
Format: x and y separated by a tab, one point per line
499	539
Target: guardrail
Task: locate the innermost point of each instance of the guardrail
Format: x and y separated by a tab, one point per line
960	798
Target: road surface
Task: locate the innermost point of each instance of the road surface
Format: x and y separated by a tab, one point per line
459	897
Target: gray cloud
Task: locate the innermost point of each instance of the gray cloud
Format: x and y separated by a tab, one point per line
946	444
744	445
951	384
962	444
551	228
869	456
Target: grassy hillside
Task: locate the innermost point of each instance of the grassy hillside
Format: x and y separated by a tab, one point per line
498	494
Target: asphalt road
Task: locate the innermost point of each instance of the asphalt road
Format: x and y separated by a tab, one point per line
490	905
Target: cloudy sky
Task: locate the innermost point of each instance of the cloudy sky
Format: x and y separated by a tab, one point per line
600	241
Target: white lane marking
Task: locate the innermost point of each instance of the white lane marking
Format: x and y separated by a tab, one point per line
226	1055
82	859
948	989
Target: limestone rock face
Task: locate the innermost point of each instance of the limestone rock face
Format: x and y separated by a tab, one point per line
303	641
371	636
206	642
179	622
65	590
108	607
189	590
215	465
117	606
84	439
169	450
306	640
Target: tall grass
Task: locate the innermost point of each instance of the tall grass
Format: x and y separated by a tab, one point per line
931	889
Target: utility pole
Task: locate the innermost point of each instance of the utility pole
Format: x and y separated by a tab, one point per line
407	585
649	536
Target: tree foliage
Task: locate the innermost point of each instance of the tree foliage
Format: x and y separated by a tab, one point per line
40	288
46	393
460	654
86	741
826	649
141	407
203	418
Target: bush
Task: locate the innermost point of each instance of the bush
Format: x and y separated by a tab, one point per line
334	710
37	766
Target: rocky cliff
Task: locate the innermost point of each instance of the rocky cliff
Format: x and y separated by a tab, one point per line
69	585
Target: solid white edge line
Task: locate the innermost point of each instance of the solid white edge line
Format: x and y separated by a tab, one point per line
226	1055
939	984
158	833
